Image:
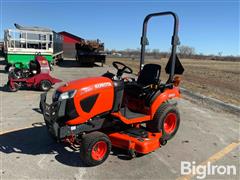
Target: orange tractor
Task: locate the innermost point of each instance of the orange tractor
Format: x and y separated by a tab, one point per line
100	112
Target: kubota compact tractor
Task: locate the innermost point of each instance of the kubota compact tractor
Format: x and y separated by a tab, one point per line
100	112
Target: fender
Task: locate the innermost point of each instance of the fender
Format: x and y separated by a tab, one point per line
166	95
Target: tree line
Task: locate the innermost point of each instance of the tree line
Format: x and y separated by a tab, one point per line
183	52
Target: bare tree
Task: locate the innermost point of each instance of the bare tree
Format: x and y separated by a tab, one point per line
155	53
186	50
220	53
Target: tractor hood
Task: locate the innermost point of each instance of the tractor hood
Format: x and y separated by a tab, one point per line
86	85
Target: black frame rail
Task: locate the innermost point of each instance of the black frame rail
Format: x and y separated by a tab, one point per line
174	43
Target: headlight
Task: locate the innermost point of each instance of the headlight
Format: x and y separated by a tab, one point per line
67	95
56	95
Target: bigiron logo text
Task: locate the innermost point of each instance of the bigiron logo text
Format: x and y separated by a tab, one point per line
203	170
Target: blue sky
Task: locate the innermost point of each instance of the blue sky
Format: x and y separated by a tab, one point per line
208	26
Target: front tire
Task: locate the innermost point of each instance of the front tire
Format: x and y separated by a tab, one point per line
166	120
45	85
95	148
13	88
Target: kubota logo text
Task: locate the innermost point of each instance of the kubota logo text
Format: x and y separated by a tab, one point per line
101	85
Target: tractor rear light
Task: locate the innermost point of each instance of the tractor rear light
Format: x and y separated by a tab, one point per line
176	81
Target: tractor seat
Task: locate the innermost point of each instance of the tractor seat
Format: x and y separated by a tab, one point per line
150	74
34	66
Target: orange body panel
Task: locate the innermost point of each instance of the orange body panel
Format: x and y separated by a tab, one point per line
104	88
143	145
166	95
88	87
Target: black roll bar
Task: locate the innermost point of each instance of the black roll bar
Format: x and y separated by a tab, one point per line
174	43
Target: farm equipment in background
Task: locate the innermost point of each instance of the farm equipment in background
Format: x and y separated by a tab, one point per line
21	44
90	51
36	76
97	113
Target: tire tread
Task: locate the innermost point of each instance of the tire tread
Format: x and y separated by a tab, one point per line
87	143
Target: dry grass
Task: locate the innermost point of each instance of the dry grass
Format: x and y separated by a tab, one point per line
217	79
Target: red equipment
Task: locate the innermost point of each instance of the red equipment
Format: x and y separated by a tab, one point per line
101	112
37	76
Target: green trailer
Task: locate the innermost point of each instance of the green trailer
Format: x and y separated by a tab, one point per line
23	43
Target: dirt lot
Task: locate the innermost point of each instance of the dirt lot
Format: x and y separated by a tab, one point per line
217	79
28	152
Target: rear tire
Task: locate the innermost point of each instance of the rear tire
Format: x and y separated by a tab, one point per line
45	85
95	148
166	120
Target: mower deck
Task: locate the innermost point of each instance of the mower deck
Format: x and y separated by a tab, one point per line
136	139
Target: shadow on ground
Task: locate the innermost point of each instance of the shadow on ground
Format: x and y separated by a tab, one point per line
36	141
4	88
2	62
2	71
38	110
74	63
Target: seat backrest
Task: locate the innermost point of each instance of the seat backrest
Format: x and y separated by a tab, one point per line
34	65
150	74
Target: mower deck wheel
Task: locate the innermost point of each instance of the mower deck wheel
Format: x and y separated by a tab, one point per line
45	85
167	120
95	148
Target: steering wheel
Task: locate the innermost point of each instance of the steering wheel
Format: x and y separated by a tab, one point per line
121	68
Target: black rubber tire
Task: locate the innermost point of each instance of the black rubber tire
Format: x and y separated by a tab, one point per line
157	124
45	85
88	142
15	89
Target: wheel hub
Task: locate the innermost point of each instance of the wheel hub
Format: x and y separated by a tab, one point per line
170	123
99	150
